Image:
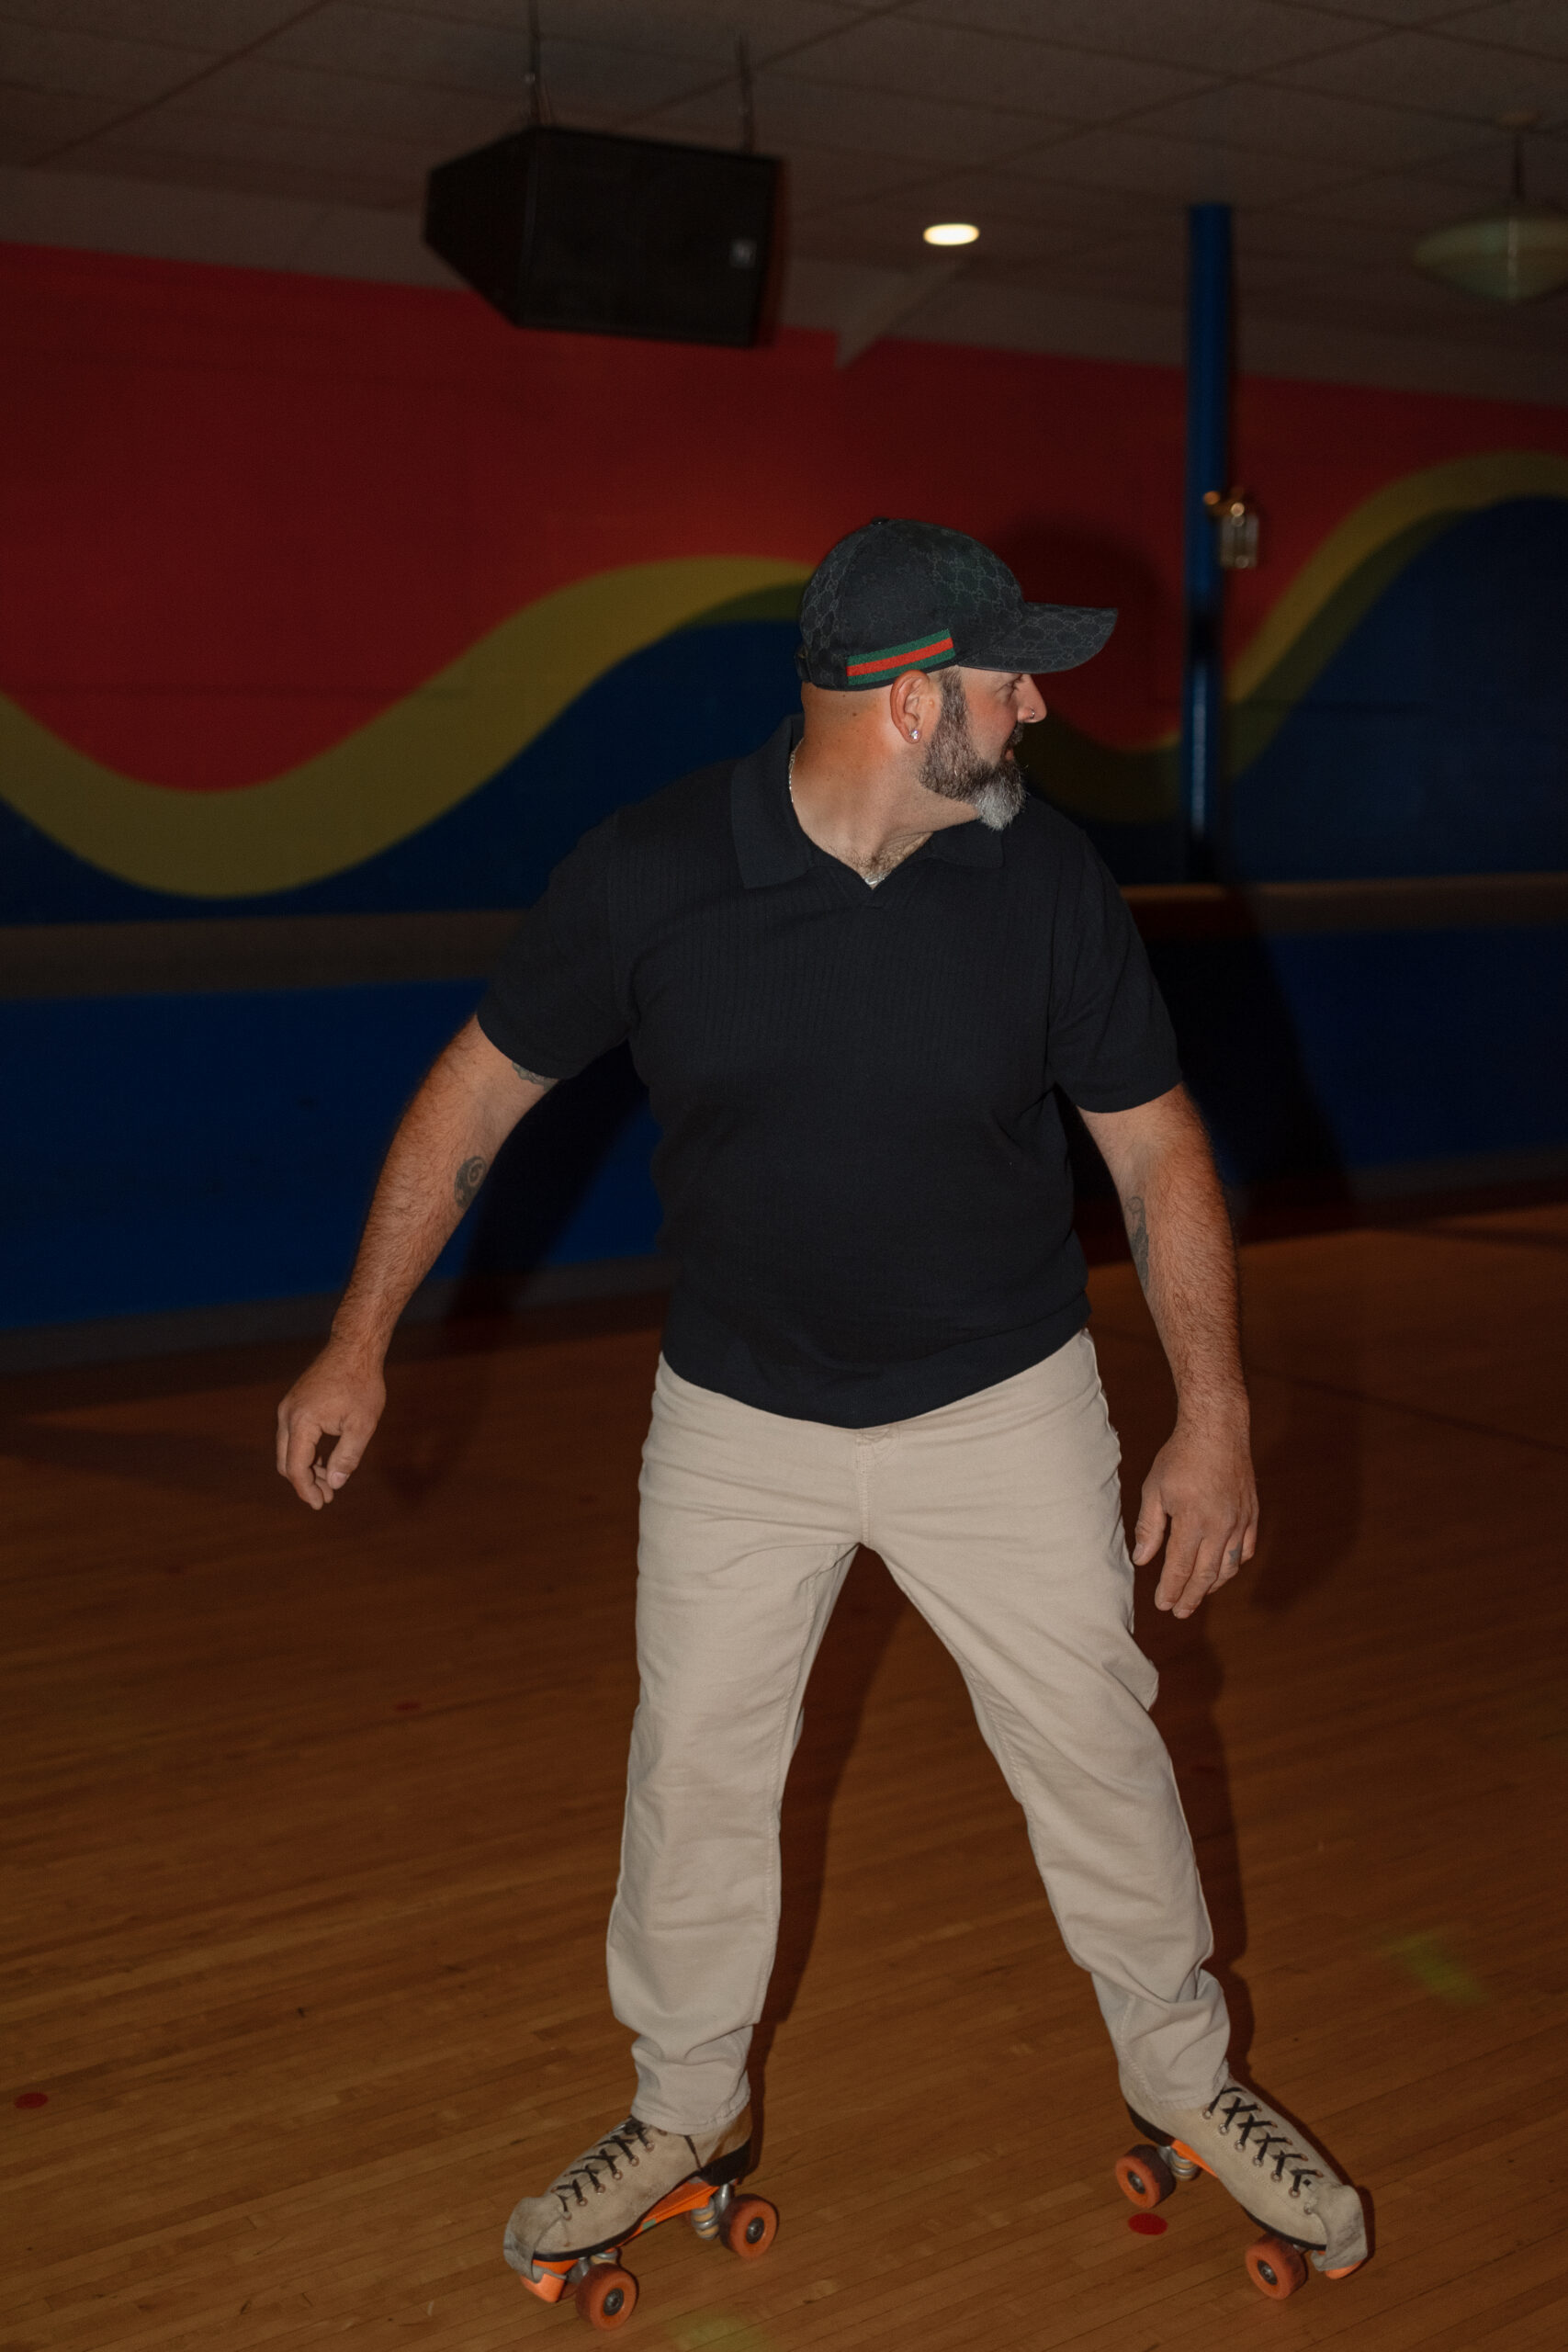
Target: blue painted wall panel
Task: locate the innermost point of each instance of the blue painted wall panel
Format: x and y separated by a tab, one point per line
1433	1044
1351	1050
1435	739
185	1151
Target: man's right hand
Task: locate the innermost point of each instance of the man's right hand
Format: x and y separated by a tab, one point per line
341	1395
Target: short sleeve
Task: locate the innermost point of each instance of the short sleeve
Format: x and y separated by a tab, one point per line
1110	1042
553	1003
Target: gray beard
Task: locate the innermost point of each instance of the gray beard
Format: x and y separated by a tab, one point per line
954	769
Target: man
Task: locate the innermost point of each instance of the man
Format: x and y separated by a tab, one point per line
855	969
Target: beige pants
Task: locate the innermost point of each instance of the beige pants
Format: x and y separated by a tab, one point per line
999	1517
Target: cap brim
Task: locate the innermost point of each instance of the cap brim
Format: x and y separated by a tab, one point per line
1041	636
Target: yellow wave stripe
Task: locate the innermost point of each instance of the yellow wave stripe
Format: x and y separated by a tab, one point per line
1437	493
1462	486
392	776
414	762
1341	581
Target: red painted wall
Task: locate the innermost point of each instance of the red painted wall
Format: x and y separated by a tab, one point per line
243	512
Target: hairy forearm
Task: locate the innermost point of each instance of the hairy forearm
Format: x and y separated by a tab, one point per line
439	1157
1182	1243
1180	1233
1199	1500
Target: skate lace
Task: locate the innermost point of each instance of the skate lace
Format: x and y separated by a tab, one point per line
616	2147
1258	2131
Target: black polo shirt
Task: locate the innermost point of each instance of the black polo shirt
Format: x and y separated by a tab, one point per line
862	1167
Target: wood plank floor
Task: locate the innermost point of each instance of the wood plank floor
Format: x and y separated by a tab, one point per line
311	1827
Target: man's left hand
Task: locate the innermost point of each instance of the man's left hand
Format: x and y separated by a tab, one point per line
1201	1501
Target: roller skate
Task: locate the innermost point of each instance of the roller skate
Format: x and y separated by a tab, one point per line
1278	2179
570	2239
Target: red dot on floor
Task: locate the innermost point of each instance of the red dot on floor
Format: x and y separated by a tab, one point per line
33	2098
408	1706
1149	2225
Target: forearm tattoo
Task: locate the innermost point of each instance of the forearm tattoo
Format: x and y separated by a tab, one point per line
1138	1236
532	1077
468	1180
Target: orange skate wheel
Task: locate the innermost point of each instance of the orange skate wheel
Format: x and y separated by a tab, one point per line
1276	2268
606	2297
750	2227
1144	2177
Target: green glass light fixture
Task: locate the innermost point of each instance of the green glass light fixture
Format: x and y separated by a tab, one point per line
1515	253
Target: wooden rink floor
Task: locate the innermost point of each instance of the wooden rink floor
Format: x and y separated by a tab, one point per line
311	1830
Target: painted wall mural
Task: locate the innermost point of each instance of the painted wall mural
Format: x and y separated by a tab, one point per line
338	596
330	599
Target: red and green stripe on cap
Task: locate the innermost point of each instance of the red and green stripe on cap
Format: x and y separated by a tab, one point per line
931	652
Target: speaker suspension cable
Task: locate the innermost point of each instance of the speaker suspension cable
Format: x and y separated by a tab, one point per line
748	97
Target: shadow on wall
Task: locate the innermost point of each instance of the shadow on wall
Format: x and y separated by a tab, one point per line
571	1182
1056	564
1241	1055
1430	739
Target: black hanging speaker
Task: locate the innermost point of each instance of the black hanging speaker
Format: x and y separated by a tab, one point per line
605	235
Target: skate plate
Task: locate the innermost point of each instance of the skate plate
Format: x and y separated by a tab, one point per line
606	2294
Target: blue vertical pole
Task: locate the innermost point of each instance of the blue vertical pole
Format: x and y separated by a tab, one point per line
1208	468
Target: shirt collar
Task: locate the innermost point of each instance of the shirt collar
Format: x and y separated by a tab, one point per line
769	843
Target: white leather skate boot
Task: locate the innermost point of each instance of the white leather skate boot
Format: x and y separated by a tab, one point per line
1275	2174
607	2195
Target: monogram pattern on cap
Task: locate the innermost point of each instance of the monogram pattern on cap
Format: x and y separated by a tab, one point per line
974	605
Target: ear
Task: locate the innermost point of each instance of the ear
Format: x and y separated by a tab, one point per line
913	704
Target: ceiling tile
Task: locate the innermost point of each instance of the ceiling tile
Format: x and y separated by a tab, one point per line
708	118
407	46
34	57
1299	122
1401	12
703	29
192	134
983	69
591	78
1321	240
820	177
1449	76
1541	26
214	26
1205	35
685	48
35	123
338	178
1189	171
1126	274
823	114
277	102
983	193
1074	131
886	232
1480	173
587	81
1405	299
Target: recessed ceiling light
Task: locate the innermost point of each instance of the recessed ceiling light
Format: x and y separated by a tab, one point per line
951	233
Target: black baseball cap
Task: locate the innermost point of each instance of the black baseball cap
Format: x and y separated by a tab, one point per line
898	597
